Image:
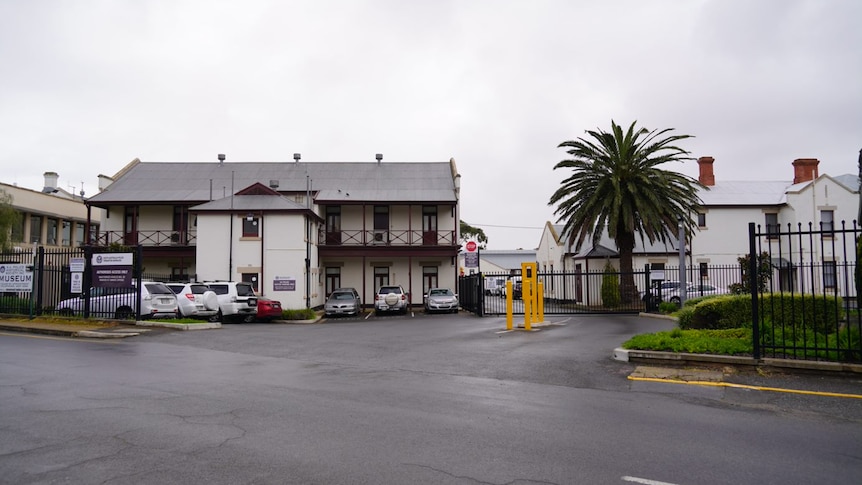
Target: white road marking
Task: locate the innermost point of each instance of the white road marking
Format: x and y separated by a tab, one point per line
645	481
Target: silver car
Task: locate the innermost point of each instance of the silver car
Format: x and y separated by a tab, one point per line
343	301
441	300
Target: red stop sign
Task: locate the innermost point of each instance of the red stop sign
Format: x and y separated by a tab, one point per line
471	246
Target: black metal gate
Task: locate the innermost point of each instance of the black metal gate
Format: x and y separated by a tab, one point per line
51	280
804	285
563	293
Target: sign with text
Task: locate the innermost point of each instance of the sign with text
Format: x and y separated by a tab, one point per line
471	257
284	283
112	269
15	277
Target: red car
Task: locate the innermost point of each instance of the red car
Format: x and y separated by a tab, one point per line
268	310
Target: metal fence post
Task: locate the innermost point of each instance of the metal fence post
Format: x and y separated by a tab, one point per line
752	282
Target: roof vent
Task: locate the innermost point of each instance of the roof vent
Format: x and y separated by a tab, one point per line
379	157
296	157
221	158
273	184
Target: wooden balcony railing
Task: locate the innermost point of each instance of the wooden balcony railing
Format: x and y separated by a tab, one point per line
413	238
147	238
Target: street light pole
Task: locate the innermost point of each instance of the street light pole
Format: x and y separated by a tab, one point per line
683	287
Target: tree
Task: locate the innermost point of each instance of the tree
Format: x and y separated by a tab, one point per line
616	186
610	286
764	274
470	233
8	218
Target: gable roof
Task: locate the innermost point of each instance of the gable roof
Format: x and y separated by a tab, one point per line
334	182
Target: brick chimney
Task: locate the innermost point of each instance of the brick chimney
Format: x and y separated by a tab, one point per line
805	169
706	176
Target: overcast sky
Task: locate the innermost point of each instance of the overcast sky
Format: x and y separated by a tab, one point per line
87	86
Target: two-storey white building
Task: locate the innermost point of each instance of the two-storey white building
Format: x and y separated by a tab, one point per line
295	230
807	201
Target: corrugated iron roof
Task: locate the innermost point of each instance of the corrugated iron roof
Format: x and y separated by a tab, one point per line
250	203
204	181
745	193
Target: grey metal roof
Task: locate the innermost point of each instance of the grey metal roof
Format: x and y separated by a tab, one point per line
745	193
250	203
508	259
333	181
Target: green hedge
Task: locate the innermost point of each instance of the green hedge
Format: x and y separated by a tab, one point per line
817	313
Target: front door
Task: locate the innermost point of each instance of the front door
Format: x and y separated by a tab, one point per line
429	225
130	226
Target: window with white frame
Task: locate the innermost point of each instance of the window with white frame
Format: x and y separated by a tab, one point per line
827	221
829	279
772	225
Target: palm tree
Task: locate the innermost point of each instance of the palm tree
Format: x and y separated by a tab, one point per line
616	185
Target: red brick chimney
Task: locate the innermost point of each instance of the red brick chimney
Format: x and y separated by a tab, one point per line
706	176
805	169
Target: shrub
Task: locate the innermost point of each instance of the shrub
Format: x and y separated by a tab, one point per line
722	312
610	287
14	304
667	307
301	314
818	313
685	317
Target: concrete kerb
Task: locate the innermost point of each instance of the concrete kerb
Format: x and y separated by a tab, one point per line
683	358
179	326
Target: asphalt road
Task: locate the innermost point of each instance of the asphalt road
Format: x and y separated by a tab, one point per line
439	399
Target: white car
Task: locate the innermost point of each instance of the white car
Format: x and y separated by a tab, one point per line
236	300
195	300
390	298
692	291
157	301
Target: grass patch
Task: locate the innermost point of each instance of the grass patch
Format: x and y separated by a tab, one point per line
735	341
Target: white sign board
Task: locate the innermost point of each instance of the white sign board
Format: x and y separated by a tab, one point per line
15	278
76	265
77	283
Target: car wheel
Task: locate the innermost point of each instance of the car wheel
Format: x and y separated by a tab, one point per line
248	319
675	300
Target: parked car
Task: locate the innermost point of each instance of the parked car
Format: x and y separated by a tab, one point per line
390	298
516	288
692	291
441	300
236	300
195	300
267	310
157	301
343	301
659	291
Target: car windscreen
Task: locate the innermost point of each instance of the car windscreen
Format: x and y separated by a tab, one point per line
342	296
244	290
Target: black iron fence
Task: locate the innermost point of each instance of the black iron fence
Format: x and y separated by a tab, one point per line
804	284
62	284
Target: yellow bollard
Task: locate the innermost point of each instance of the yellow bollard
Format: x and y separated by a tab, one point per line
509	309
527	297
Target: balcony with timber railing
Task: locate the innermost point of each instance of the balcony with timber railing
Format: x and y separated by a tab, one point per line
393	238
147	238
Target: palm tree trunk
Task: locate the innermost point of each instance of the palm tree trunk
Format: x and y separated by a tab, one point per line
628	289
